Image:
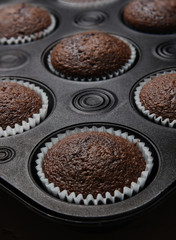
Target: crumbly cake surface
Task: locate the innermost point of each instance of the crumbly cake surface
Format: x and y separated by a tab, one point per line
18	103
90	54
159	96
92	163
22	20
151	16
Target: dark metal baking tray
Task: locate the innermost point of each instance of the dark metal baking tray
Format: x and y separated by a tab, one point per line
116	108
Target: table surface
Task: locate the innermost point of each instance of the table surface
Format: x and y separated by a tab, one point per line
19	222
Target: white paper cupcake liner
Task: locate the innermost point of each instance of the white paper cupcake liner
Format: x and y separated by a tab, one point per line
31	37
153	117
120	71
78	199
36	118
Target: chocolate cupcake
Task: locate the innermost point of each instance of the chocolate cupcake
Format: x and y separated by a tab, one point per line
94	164
23	22
91	55
23	106
156	98
151	16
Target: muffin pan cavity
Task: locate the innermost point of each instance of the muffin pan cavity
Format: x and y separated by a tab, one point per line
128	134
25	92
157	118
125	67
76	103
20	27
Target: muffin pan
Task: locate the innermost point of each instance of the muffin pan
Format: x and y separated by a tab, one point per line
108	103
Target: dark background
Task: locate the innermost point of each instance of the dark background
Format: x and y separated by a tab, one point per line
19	222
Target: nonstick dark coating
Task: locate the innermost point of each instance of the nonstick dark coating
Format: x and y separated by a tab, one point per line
112	104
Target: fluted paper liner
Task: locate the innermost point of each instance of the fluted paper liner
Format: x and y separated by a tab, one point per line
35	119
153	117
78	199
120	71
31	37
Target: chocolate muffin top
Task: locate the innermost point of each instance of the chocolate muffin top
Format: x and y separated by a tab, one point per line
90	54
18	103
92	163
151	16
159	96
22	20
